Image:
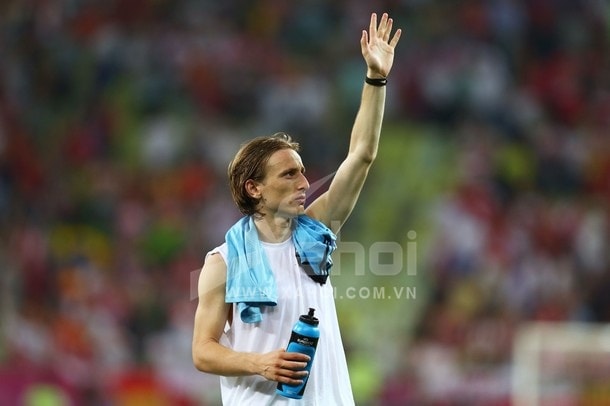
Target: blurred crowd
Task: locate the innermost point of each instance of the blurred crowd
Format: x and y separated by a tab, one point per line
522	90
118	119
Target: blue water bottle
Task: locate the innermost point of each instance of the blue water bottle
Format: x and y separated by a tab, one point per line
304	339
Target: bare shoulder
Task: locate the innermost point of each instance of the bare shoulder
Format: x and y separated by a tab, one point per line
214	260
213	274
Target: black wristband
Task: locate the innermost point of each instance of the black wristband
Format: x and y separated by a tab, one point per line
376	82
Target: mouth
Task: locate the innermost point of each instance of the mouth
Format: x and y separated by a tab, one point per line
300	200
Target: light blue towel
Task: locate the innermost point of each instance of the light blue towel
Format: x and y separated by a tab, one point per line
250	281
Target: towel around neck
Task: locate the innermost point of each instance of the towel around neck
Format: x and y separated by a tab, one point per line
250	281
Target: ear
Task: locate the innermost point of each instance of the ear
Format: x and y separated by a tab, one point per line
253	189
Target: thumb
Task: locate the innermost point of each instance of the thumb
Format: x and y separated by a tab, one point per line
364	39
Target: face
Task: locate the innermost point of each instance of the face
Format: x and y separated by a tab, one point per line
283	190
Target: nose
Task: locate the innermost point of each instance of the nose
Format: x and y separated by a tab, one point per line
303	183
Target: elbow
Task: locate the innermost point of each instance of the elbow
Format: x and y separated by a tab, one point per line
199	364
200	361
368	157
202	364
365	155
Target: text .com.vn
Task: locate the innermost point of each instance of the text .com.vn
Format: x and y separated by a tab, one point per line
375	293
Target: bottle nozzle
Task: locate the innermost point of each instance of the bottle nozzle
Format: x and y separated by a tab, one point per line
309	317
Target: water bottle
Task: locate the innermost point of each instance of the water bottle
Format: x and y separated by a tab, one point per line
304	339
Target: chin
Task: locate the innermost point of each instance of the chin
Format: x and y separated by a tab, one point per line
294	212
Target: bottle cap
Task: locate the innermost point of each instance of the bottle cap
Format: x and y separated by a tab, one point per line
309	318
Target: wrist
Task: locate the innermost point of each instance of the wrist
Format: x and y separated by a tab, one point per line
374	74
256	365
377	82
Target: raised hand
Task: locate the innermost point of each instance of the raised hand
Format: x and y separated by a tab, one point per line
377	47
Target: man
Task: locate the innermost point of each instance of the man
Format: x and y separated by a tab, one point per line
274	263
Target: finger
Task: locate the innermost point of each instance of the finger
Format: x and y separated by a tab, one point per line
295	356
383	24
291	366
288	380
364	40
281	374
395	38
295	366
388	30
373	25
294	374
285	375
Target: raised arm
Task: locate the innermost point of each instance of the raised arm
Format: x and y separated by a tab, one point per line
335	205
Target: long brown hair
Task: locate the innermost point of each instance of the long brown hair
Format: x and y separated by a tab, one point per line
250	162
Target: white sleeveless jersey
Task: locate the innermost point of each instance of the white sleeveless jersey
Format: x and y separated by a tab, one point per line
328	382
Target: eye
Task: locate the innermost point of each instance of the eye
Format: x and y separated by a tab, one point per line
291	173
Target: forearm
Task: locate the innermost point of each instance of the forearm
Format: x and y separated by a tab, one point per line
214	358
367	126
279	365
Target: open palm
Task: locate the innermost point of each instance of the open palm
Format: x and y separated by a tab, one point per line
377	47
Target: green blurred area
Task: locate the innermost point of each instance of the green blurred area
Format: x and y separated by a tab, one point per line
414	167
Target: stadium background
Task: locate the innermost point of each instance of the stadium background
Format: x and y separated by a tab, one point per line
117	121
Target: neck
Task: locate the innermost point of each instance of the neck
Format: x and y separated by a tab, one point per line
273	229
